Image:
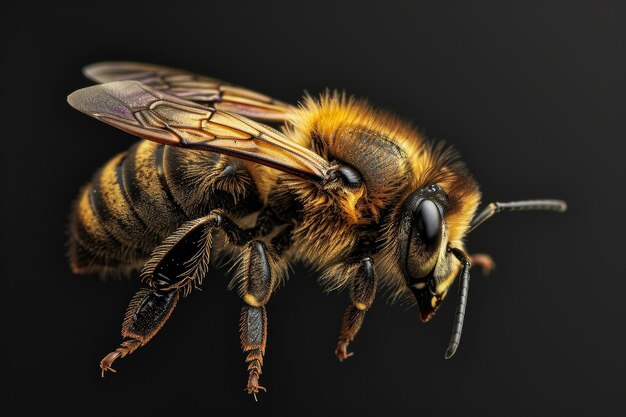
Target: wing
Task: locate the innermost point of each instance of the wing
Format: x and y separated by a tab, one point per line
189	86
151	114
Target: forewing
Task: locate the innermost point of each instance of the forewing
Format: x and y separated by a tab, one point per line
208	91
151	114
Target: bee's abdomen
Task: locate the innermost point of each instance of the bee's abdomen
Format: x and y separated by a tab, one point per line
121	214
141	196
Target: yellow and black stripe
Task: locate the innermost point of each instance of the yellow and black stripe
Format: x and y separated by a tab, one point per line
141	196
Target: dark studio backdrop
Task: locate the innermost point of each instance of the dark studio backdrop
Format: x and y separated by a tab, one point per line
532	96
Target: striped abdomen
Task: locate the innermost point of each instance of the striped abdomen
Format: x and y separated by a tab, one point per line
141	196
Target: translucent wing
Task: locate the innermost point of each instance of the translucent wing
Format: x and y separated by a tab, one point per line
151	114
189	86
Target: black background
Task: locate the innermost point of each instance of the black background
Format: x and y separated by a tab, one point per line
532	95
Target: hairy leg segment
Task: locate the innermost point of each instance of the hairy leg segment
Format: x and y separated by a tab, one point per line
362	293
177	266
256	281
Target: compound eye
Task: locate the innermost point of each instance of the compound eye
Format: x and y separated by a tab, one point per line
429	223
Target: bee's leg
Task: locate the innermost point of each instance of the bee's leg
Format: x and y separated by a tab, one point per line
174	269
258	274
362	292
147	312
485	261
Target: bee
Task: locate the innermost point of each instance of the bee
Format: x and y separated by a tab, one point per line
352	191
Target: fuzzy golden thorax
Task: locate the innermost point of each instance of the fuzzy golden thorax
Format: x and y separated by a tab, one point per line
347	131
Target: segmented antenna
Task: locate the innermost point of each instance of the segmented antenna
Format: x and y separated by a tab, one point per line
461	304
493	208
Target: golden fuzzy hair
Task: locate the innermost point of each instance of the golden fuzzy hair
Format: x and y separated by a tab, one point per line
402	161
346	129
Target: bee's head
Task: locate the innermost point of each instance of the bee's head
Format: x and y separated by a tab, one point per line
429	267
430	253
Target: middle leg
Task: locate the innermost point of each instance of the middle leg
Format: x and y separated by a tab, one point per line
258	274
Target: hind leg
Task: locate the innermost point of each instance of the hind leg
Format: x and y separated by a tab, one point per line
148	311
174	269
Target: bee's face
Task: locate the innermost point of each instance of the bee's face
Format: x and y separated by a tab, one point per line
428	267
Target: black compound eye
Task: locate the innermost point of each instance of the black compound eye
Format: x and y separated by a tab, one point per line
428	223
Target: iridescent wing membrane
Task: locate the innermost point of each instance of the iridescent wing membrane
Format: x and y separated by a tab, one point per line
154	115
205	90
150	114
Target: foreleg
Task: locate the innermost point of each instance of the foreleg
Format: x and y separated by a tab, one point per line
362	293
